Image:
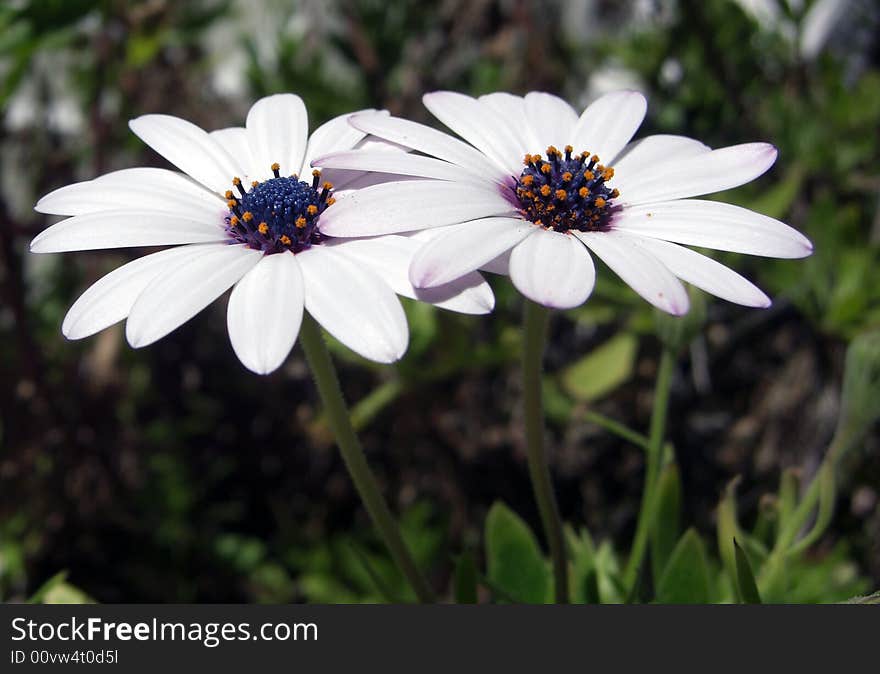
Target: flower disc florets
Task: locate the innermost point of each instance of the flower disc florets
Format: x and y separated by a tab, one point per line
565	192
278	214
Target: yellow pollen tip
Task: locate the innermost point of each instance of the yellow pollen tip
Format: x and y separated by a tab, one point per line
248	216
232	203
527	159
615	193
263	228
545	190
255	183
285	239
328	186
236	181
228	194
527	180
233	221
536	158
594	158
312	209
589	175
569	149
566	177
300	222
584	192
316	173
561	194
545	168
600	202
331	201
275	166
608	173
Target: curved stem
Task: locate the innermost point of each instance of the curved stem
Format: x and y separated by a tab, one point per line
535	325
353	455
652	470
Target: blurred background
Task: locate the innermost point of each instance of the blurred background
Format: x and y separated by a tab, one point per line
171	474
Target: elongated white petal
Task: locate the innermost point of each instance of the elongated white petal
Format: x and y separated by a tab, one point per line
465	248
390	256
550	119
553	269
500	265
431	142
479	125
336	135
644	154
706	273
189	148
513	109
135	189
392	162
642	271
714	224
700	174
109	299
265	312
234	140
406	206
354	304
125	229
609	123
278	130
172	298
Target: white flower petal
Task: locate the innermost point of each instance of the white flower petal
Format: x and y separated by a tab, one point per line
172	298
500	265
234	140
714	224
109	299
333	136
479	125
553	269
645	153
278	130
354	305
151	189
431	142
391	162
700	174
609	123
189	148
465	248
706	273
265	312
550	119
513	109
406	206
643	272
125	229
390	256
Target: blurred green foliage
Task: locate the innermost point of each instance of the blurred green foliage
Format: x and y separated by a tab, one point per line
169	475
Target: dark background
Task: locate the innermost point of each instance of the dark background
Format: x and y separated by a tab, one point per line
171	474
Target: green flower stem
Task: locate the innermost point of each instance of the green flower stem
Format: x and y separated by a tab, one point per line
340	423
652	470
535	322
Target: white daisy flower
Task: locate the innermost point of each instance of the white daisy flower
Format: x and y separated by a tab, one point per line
536	221
241	216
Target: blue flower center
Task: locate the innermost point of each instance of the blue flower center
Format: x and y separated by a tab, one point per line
278	214
565	192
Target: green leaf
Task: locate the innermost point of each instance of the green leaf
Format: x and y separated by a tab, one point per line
465	579
748	589
602	370
685	580
584	574
514	560
667	527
